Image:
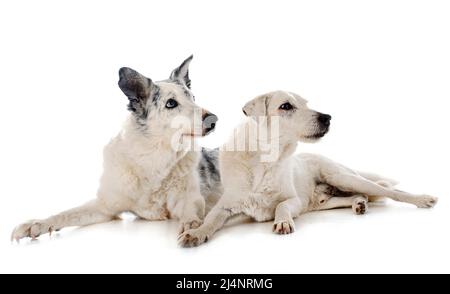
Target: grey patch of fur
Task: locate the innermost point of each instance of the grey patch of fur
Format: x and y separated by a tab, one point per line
210	184
189	94
181	73
209	168
138	89
155	95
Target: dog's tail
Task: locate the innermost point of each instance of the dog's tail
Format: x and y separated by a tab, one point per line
382	181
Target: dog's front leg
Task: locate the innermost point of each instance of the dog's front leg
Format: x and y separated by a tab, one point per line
192	213
284	214
186	204
214	221
90	213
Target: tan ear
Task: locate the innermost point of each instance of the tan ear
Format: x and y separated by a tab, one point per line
257	106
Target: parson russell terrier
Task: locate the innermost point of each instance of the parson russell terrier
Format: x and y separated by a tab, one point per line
280	186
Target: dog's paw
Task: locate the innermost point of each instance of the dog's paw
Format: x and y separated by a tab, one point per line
360	205
192	238
31	229
283	227
426	201
188	225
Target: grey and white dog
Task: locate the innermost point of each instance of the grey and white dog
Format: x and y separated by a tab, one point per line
144	172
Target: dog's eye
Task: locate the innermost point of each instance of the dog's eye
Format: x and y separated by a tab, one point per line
286	106
171	103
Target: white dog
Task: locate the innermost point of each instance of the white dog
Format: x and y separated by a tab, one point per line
281	186
143	172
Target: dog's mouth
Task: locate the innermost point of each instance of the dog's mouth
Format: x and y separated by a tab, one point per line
207	129
317	135
205	132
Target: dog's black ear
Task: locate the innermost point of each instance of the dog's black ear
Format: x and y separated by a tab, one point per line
181	73
137	88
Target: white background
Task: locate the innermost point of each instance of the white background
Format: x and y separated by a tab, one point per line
381	68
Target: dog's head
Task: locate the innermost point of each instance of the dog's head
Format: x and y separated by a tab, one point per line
167	107
296	120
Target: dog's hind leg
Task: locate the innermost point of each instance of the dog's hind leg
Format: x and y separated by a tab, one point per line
380	180
90	213
358	184
358	203
329	197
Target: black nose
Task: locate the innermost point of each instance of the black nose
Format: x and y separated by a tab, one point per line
324	119
209	122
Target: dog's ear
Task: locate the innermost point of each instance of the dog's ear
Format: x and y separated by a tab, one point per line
181	73
137	88
257	106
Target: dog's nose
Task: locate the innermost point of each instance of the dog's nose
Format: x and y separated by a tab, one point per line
209	122
324	119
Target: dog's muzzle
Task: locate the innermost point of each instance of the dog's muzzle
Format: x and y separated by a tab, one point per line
209	121
324	125
324	120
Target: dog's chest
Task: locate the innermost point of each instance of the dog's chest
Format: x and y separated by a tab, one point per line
160	194
266	194
260	207
152	189
149	200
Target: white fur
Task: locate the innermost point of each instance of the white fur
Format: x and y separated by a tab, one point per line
292	184
142	174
